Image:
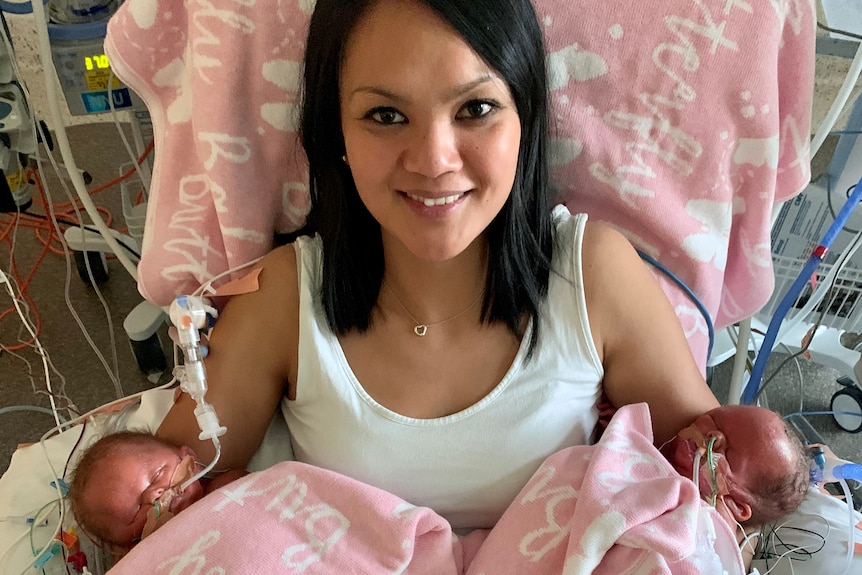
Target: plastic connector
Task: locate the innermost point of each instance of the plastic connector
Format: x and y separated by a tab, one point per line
78	560
49	554
208	422
832	469
848	471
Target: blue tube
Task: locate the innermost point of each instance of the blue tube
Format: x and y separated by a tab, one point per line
848	471
751	388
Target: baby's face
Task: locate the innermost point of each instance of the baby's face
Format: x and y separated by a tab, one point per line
751	442
126	486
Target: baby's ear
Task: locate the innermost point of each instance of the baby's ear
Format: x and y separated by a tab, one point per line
740	510
185	450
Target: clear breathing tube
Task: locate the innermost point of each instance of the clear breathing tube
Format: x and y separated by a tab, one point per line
190	314
830	470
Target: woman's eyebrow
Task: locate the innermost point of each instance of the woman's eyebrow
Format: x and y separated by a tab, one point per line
452	94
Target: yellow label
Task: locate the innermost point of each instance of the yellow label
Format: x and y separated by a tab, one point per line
16	180
97	80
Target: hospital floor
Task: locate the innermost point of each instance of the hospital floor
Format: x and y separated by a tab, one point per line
77	374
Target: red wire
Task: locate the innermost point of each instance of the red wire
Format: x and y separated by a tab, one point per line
46	235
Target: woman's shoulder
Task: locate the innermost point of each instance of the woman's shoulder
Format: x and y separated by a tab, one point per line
274	293
280	261
595	240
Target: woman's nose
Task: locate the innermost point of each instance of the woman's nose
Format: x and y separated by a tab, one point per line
432	150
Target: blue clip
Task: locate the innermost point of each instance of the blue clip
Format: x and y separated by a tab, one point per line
47	555
64	487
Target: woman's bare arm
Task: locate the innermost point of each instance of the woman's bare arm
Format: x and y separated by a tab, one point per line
251	350
645	353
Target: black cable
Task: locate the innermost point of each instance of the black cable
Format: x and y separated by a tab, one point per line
792	552
74	447
839	31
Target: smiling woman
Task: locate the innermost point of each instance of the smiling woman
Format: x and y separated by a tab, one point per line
432	147
439	330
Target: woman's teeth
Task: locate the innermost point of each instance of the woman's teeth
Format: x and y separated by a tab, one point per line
435	201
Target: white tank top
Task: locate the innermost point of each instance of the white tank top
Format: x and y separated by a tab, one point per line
469	466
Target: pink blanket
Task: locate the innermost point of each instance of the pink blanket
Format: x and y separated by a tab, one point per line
616	507
680	122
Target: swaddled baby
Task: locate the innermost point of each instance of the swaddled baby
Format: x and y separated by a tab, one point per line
128	484
750	465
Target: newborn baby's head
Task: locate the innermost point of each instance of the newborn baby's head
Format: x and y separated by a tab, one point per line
761	468
128	481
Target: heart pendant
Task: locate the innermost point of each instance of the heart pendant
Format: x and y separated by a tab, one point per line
420	330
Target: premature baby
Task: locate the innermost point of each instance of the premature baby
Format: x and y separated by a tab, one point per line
752	467
129	483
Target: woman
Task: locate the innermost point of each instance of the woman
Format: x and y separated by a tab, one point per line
443	332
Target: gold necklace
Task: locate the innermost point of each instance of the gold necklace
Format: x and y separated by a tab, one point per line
420	328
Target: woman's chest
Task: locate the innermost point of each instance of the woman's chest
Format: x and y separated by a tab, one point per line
434	375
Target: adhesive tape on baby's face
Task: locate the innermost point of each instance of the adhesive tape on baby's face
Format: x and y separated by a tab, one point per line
692	433
184	471
160	513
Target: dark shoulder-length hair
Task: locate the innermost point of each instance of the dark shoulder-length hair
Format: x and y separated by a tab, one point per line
506	34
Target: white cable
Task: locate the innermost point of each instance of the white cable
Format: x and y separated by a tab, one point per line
62	139
145	181
837	104
112	375
52	539
848	498
8	550
40	350
37	128
695	472
207	286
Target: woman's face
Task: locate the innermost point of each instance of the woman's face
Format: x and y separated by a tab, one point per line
432	133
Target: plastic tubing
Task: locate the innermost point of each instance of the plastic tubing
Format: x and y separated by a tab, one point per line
208	468
35	408
848	471
796	288
63	141
848	497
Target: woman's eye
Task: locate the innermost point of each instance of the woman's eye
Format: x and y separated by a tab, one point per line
387	116
476	109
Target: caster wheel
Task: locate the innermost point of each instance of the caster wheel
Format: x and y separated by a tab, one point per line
149	355
849	400
98	265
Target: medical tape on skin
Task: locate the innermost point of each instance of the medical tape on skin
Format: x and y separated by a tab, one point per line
160	512
710	462
245	284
